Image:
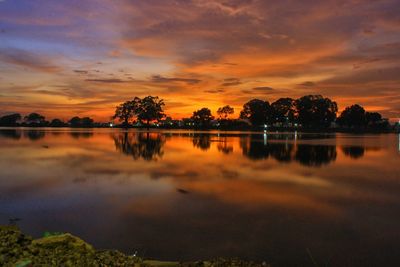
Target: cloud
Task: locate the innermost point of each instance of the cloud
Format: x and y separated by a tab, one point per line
231	82
161	79
216	91
307	84
27	59
81	71
107	80
350	49
263	89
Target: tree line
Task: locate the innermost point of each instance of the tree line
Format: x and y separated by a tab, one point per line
310	111
37	120
307	112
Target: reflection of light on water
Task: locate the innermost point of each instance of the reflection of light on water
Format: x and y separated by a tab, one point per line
265	139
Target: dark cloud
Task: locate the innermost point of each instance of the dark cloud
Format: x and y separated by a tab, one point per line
263	89
231	82
161	79
308	84
216	91
107	80
81	71
28	59
367	76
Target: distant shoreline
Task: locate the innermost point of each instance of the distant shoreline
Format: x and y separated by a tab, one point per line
250	129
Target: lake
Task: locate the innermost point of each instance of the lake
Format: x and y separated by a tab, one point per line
289	199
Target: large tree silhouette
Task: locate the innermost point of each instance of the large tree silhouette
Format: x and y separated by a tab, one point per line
202	117
150	109
126	111
225	111
353	116
10	120
35	119
284	110
316	111
256	111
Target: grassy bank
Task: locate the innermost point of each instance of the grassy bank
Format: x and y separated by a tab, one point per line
20	250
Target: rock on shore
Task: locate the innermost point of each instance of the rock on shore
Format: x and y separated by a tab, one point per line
19	250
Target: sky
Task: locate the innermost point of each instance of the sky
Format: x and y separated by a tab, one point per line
83	57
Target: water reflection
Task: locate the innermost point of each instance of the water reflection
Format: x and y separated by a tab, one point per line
147	146
35	135
77	135
225	146
261	197
202	141
354	152
256	148
11	133
315	155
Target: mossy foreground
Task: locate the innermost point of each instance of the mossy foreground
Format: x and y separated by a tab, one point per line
19	250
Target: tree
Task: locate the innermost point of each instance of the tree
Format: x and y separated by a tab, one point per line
284	110
35	118
373	117
87	122
256	111
202	117
57	123
81	122
149	109
375	121
316	111
10	120
225	111
126	111
353	116
75	121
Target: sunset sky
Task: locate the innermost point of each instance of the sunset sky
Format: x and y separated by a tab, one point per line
83	57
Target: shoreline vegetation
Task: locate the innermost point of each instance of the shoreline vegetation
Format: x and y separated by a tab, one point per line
310	113
64	249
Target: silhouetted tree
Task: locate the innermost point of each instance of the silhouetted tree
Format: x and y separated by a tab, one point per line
10	120
225	111
256	111
202	117
127	110
373	117
86	122
81	122
75	121
35	119
57	123
316	111
150	109
284	110
353	116
376	122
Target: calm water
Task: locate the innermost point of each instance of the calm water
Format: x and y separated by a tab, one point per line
280	198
